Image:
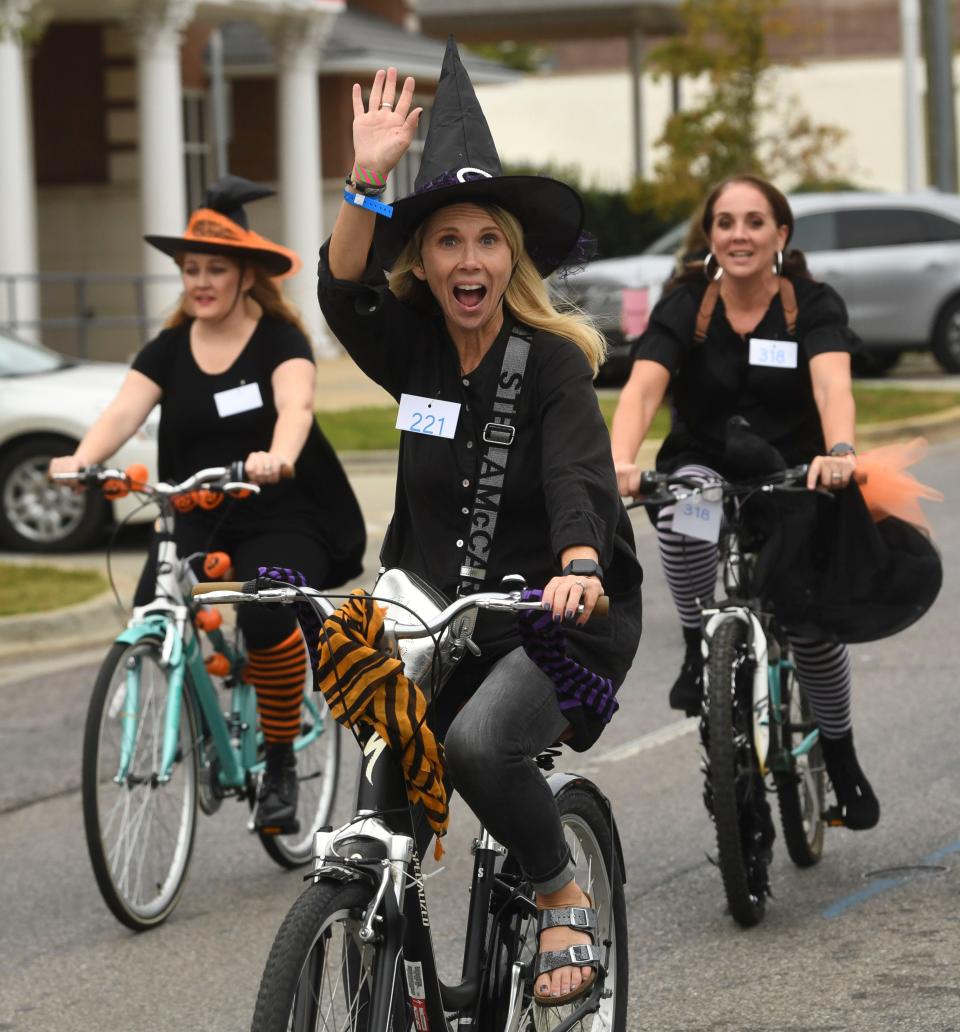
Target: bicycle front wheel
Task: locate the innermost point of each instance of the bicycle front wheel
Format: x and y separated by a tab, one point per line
139	829
588	829
802	789
319	974
318	770
734	791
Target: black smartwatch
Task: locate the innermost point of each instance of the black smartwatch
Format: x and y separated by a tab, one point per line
583	568
841	448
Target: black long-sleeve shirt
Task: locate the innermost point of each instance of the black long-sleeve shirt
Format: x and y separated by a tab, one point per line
560	488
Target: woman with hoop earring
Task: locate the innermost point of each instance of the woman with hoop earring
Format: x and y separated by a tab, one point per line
708	339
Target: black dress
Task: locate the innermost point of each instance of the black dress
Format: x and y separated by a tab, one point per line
713	381
560	488
213	419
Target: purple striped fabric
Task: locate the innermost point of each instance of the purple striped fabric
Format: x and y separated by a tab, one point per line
545	642
309	621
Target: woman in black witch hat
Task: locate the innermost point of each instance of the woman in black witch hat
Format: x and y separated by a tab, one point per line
463	335
233	373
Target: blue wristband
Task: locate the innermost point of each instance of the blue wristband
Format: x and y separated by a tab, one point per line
370	203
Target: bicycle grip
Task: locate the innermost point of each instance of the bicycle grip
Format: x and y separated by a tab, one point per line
205	587
602	608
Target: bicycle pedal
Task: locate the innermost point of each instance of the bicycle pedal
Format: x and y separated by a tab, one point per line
290	828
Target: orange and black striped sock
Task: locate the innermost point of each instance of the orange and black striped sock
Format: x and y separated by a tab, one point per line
278	673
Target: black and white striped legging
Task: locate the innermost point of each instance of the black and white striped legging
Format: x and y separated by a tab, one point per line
690	566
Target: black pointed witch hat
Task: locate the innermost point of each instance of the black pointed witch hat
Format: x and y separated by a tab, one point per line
460	163
221	227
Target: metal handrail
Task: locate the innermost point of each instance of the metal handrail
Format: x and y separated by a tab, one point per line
83	320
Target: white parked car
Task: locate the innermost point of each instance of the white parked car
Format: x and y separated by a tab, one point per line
47	403
894	258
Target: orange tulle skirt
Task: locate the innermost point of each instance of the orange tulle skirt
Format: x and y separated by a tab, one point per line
887	487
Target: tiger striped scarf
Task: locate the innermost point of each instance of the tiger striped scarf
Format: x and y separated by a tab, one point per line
363	687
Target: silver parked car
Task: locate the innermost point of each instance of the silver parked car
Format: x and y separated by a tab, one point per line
47	404
894	258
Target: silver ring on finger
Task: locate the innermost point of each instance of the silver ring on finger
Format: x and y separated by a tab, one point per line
386	104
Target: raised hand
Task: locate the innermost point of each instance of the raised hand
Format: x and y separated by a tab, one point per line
382	133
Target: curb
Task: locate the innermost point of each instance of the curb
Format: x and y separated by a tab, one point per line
82	624
97	620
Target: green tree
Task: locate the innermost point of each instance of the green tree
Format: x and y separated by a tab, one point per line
726	129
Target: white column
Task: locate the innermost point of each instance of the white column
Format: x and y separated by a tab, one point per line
18	200
157	26
297	41
914	153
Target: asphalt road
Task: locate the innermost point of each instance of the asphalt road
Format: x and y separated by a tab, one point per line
868	940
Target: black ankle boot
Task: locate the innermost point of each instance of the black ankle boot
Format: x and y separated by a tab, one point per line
687	691
277	800
858	808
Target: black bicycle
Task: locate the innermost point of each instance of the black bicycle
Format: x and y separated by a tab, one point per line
355	952
755	720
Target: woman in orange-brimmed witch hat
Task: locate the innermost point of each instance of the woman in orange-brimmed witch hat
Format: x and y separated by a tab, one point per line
234	376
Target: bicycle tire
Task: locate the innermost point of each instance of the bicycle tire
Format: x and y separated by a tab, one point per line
318	771
801	791
588	829
140	833
319	934
734	791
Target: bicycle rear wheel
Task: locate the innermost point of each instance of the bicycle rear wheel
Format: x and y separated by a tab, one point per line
801	790
318	770
319	975
139	830
734	792
589	833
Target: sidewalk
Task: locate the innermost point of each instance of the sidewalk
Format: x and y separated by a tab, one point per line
341	385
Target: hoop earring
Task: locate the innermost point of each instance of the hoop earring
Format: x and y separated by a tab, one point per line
706	267
778	264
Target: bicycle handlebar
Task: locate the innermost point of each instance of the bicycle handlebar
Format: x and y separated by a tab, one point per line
230	592
228	479
657	488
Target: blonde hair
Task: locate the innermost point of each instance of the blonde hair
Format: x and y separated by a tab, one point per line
265	292
526	294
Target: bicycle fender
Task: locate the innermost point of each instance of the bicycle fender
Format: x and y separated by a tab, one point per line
760	711
151	627
560	781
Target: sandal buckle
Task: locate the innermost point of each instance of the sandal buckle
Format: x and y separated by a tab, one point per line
581	954
579	918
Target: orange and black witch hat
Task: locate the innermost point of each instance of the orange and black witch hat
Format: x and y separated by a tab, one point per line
221	227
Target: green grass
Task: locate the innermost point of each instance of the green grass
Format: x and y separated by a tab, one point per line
35	589
361	429
366	429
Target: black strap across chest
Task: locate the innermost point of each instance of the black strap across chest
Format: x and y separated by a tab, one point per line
498	435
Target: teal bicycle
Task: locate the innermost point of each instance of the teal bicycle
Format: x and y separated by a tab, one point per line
165	735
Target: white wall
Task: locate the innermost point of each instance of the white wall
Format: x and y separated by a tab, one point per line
584	119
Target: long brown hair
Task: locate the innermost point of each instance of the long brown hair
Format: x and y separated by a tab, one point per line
265	291
794	262
526	294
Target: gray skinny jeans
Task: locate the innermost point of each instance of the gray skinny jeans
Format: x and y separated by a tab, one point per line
513	716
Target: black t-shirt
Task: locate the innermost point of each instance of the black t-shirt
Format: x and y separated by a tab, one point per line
212	419
560	487
713	381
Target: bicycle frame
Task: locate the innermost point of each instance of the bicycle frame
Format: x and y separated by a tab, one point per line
167	617
766	654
